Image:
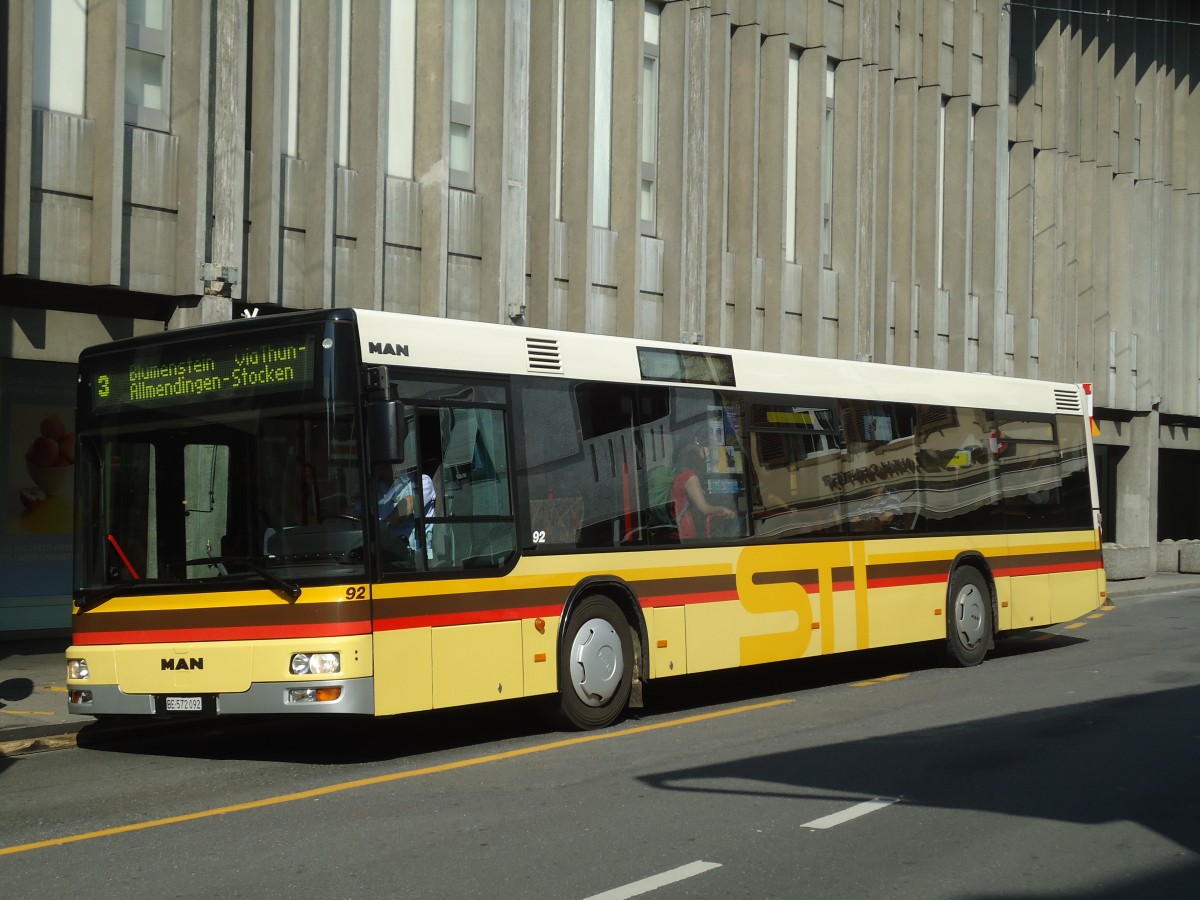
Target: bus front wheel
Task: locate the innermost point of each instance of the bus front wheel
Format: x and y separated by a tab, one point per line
968	617
595	668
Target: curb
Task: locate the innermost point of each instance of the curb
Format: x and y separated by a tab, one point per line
20	747
1145	590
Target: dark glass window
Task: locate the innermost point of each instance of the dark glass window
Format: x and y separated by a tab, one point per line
797	455
1043	471
448	505
600	464
879	482
957	470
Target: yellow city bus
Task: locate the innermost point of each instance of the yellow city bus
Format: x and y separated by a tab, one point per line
348	511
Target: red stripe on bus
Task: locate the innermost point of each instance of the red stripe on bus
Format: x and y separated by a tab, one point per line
472	617
1051	568
475	617
907	580
669	600
249	633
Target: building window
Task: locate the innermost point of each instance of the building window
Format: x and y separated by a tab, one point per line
940	200
827	157
650	52
289	102
341	116
59	54
148	63
402	67
970	223
462	94
791	159
560	105
602	122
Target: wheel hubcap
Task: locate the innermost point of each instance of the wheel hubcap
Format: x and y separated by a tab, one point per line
597	662
969	615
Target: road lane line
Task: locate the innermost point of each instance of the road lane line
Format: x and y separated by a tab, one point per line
859	809
881	680
654	882
385	779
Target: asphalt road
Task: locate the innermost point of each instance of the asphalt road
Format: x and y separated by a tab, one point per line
1065	766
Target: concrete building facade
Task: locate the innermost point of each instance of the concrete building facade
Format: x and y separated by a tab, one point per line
978	185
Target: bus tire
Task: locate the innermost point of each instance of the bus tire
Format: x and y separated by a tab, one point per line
968	617
595	667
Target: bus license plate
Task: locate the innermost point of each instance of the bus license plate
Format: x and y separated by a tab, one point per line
185	704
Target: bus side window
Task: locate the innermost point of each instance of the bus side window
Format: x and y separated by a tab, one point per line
472	523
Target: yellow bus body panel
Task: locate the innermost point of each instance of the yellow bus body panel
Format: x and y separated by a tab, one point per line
538	655
477	663
403	671
469	640
667	629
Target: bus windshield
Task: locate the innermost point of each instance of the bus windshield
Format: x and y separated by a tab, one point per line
224	498
219	487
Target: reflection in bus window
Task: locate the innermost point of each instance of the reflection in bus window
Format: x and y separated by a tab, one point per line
599	463
880	487
797	450
1042	470
957	469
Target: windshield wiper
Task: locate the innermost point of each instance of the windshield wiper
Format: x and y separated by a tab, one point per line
283	585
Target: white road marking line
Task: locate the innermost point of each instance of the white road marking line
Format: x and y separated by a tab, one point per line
859	809
654	882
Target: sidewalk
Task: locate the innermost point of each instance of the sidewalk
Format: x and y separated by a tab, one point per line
33	677
33	696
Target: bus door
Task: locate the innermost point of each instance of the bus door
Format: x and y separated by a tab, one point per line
447	504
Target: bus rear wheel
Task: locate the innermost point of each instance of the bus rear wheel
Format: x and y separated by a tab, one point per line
968	617
595	669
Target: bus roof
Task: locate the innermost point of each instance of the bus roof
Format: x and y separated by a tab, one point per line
450	344
427	342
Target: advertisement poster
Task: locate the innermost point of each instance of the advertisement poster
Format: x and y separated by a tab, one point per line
37	467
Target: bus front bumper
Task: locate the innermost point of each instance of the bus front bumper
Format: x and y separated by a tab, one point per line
356	696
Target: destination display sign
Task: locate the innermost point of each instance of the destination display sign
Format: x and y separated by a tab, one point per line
226	369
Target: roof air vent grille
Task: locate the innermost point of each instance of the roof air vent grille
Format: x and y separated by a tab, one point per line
1067	401
543	355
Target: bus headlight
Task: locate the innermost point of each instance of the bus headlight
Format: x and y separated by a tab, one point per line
316	663
77	669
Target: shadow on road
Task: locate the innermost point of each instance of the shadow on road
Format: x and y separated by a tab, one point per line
1129	758
14	689
338	740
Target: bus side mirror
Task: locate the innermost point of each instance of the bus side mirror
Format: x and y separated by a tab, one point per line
386	431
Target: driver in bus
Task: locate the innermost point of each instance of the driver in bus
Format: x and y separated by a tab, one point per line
398	505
